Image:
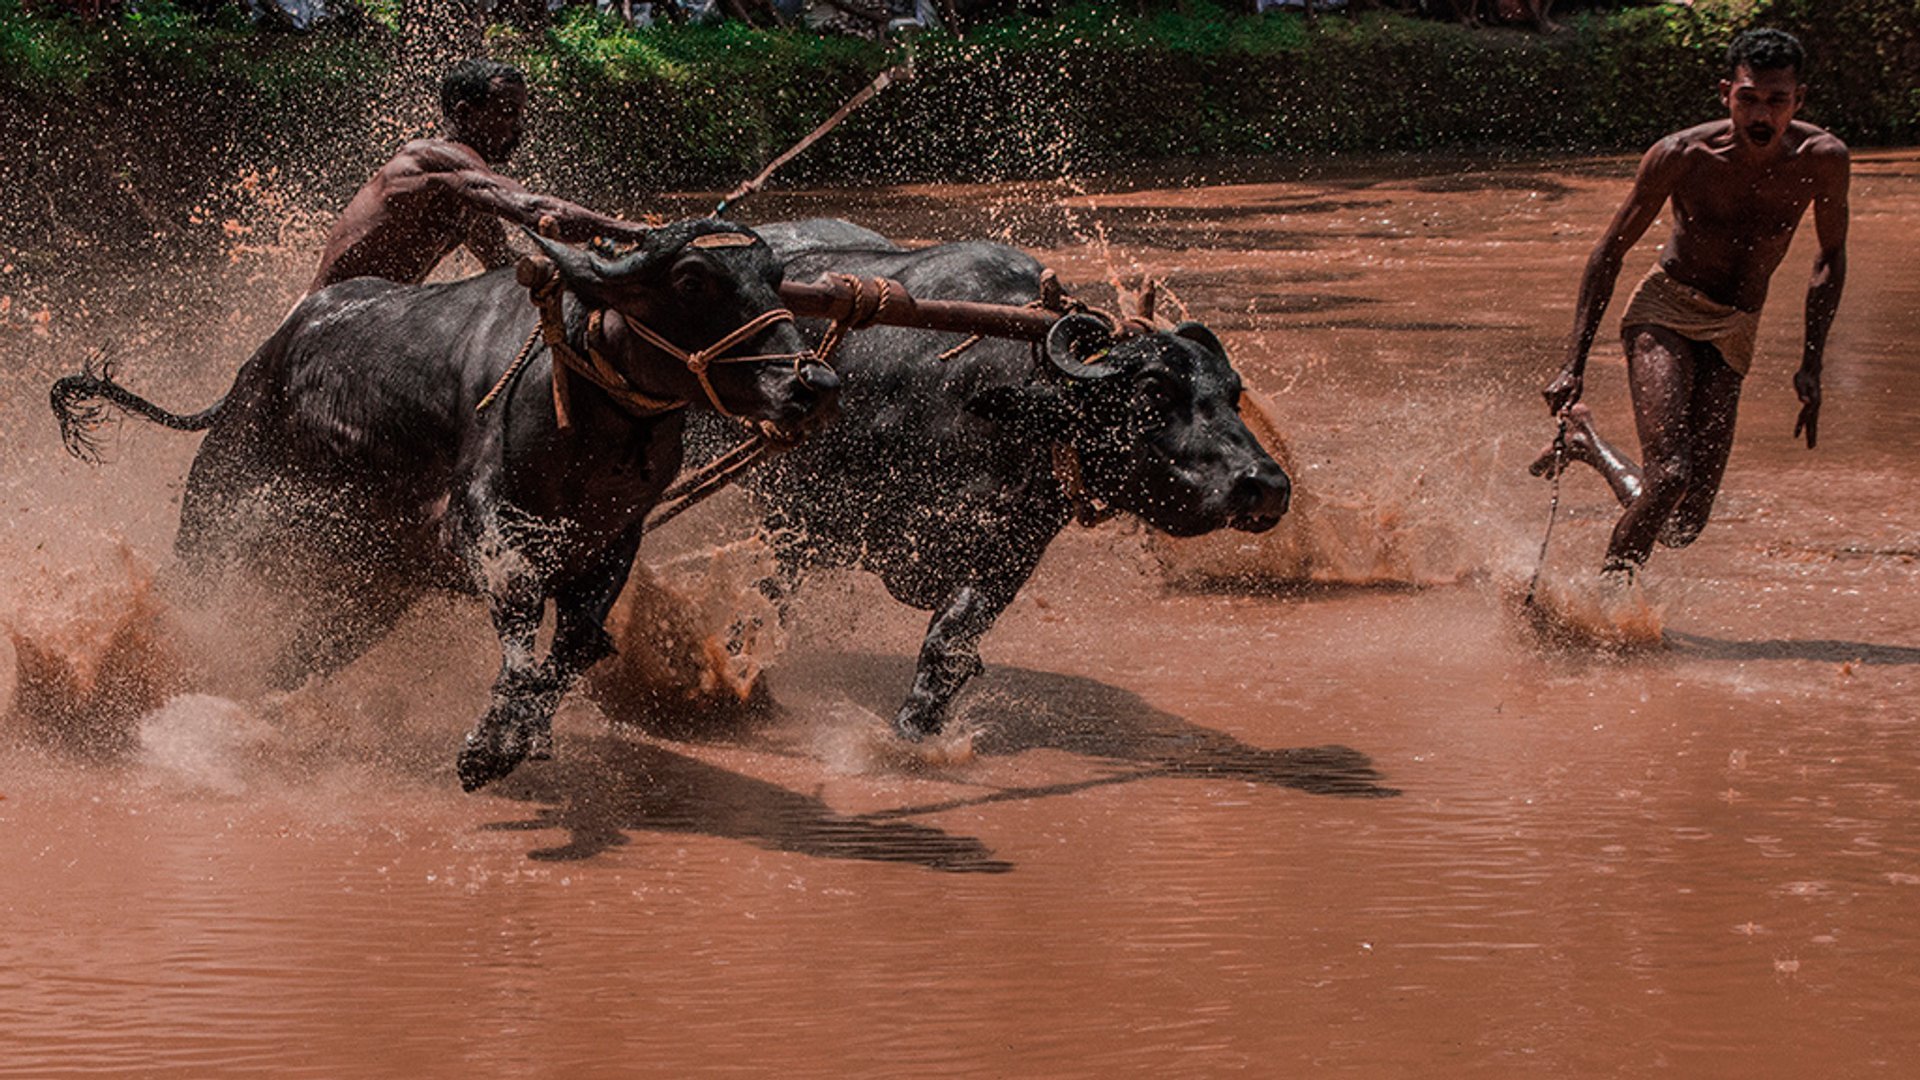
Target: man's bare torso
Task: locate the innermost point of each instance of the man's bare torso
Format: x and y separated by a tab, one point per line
401	223
1733	220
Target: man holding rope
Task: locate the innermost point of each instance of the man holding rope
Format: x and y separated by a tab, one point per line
437	194
1739	188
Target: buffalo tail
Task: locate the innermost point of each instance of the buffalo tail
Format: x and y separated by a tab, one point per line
80	403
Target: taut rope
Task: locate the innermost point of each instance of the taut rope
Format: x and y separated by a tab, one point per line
1553	508
880	82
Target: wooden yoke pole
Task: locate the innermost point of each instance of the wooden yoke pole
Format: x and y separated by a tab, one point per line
862	302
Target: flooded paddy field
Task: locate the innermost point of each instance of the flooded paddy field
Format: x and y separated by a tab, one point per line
1312	803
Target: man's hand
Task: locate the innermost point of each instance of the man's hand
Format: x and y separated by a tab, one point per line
1564	390
1807	384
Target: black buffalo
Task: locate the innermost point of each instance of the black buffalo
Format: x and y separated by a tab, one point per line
949	478
349	466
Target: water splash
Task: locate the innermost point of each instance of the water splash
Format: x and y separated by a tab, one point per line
87	667
202	741
1592	614
1413	522
690	654
856	741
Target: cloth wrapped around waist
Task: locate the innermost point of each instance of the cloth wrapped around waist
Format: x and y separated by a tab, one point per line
1661	301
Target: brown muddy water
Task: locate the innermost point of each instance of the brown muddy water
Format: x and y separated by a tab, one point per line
1312	804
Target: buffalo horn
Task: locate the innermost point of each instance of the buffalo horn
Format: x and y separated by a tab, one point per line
1076	342
579	269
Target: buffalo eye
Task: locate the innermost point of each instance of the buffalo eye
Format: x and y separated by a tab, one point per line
692	281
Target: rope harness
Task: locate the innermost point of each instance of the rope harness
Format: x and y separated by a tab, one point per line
547	293
1553	508
865	310
1087	511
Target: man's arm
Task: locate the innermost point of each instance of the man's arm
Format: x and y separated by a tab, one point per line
1832	175
460	172
1659	172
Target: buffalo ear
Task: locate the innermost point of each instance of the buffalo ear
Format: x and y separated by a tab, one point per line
1032	411
1201	336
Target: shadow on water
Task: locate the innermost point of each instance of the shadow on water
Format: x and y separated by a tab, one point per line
600	787
1823	649
1019	709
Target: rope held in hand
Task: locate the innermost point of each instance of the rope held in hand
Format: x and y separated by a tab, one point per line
1553	507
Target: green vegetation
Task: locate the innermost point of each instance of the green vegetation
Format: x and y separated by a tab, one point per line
142	118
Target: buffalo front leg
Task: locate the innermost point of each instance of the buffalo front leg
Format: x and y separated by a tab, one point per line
511	729
949	656
519	722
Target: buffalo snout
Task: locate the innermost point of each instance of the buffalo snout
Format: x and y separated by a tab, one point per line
1258	498
820	379
805	398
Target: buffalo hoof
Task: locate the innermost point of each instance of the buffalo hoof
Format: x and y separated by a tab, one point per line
490	755
913	727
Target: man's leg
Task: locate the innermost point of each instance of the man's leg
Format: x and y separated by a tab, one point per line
1710	416
1660	371
1584	444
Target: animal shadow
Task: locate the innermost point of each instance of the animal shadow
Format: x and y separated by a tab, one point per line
1827	650
600	787
1021	709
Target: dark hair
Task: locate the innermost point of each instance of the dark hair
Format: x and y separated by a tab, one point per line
471	82
1767	50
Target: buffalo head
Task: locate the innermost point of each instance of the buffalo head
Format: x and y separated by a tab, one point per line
1156	424
694	284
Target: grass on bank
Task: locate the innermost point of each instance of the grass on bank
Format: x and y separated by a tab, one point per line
137	120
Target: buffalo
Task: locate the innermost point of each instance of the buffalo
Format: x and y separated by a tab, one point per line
363	458
950	472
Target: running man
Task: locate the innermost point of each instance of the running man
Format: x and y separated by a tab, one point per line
437	194
1739	188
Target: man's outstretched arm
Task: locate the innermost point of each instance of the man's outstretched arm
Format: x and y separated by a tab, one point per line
1829	277
506	198
1659	171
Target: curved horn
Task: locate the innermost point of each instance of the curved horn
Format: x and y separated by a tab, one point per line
1074	345
614	271
582	272
589	274
574	264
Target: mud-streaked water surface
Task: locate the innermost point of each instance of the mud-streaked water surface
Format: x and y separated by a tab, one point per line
1315	804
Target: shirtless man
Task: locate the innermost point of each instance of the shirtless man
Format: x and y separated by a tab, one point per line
1739	188
437	194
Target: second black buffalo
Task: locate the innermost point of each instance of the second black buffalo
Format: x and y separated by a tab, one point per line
948	478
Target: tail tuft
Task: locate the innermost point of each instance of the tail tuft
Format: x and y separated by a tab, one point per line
82	407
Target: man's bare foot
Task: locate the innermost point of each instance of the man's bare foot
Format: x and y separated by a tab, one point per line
1578	445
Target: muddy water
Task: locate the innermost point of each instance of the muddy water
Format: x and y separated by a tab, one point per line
1317	805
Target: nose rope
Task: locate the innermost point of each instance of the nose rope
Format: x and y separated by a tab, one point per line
698	361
